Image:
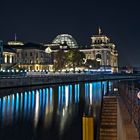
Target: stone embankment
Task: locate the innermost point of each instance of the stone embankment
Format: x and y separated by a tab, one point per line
7	82
19	81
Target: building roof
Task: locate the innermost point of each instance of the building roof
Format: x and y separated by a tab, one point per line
33	46
54	46
71	42
27	46
7	48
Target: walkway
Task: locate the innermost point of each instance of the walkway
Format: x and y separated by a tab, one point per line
115	121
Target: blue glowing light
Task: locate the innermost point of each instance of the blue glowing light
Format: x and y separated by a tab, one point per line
8	105
78	93
3	109
0	103
59	95
47	96
17	101
29	101
13	104
44	97
40	95
25	103
75	89
21	101
62	94
33	99
51	91
70	93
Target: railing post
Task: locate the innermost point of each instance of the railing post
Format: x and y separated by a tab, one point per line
88	127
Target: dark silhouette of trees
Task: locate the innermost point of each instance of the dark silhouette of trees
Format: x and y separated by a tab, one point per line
71	59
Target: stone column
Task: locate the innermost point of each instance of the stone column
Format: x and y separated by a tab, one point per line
10	59
5	58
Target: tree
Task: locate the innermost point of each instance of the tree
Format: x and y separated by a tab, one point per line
74	58
59	60
92	64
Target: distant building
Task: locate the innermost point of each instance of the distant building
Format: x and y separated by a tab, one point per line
32	56
9	57
128	69
15	42
105	51
1	52
10	53
101	49
29	56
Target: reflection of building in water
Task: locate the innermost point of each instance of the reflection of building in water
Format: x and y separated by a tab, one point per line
65	94
27	105
59	106
66	97
36	117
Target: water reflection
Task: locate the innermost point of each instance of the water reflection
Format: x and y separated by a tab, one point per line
52	109
36	109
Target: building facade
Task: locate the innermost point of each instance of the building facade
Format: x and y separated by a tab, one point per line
1	52
32	56
29	56
103	51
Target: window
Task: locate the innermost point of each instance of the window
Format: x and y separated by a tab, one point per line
31	54
36	55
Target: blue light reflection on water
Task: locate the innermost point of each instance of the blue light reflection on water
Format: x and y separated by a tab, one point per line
25	104
13	105
110	86
47	96
44	97
59	94
104	86
70	93
62	94
51	94
30	105
40	97
0	107
17	105
33	99
77	93
3	110
21	102
29	102
8	107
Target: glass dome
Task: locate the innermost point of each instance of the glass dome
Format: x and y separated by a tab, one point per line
61	39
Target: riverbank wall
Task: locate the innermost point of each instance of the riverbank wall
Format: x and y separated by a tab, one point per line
8	82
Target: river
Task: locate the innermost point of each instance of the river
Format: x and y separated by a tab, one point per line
51	112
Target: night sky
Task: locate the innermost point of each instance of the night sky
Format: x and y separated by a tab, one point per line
42	20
